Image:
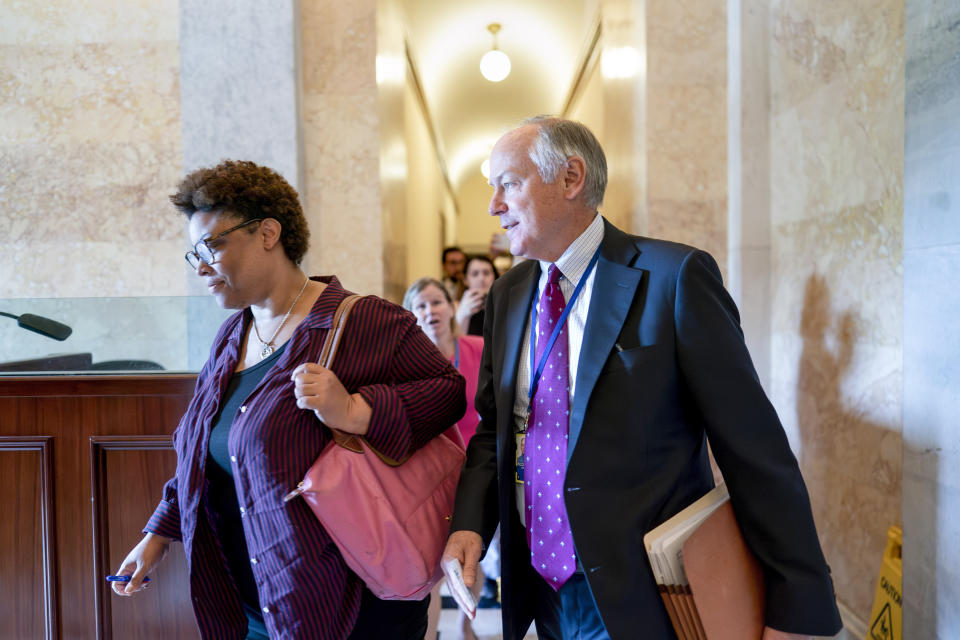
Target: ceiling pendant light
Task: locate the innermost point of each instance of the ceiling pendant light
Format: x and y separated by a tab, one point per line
494	65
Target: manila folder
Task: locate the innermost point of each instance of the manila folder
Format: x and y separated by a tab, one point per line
725	578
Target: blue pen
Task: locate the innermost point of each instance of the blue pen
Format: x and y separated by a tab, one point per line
123	579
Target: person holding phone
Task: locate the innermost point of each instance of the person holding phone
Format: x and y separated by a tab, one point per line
480	274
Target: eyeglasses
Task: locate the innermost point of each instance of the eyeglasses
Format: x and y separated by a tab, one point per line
203	251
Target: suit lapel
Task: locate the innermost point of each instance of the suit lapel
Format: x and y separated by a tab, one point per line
613	291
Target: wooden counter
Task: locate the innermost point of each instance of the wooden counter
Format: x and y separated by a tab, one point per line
83	460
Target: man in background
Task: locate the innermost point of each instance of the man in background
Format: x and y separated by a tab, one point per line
454	263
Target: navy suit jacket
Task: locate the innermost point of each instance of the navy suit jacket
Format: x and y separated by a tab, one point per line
662	368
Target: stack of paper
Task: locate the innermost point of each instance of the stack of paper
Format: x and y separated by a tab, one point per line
711	585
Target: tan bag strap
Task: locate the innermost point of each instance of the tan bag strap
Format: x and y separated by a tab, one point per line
327	353
329	349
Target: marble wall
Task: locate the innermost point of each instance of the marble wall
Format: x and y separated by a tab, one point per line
619	76
429	204
836	74
341	142
106	105
686	124
475	226
418	228
240	77
89	149
931	374
748	174
656	97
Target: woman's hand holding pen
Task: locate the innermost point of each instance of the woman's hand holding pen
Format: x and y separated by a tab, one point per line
141	560
318	389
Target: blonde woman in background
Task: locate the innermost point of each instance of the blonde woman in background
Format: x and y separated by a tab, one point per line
434	309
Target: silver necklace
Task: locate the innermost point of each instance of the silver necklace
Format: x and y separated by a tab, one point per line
268	347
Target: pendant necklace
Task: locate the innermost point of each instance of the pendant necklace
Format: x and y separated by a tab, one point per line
268	346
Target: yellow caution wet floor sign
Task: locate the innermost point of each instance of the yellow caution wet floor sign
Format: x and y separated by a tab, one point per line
886	619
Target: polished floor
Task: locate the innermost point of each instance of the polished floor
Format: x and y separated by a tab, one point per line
486	625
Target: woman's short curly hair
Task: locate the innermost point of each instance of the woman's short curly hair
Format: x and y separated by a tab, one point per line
247	190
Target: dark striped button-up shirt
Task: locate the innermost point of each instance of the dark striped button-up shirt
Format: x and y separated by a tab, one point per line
305	589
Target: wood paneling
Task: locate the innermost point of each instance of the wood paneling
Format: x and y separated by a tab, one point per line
96	440
125	472
29	607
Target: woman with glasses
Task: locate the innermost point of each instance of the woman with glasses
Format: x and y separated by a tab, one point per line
260	567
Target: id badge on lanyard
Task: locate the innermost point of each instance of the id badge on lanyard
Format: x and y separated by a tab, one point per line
521	445
520	448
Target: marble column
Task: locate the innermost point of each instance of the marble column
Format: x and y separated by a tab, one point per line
239	74
748	174
931	332
240	100
341	126
686	123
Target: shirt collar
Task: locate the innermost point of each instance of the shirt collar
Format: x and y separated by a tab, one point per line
575	260
319	317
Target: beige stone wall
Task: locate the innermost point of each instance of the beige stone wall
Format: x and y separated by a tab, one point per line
611	102
686	124
475	226
341	142
89	149
663	125
836	185
587	105
427	201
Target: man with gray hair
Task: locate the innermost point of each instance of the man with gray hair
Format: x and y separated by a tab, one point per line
609	360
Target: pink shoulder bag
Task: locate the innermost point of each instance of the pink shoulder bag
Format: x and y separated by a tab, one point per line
390	519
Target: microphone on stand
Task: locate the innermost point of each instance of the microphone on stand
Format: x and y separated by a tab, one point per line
43	326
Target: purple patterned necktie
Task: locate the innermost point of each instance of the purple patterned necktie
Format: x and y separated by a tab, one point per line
545	449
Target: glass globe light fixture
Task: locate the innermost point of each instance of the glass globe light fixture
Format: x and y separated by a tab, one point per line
495	64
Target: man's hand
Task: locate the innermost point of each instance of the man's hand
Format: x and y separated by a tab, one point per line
317	388
462	556
773	634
